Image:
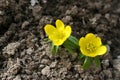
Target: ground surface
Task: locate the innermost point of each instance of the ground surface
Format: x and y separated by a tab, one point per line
24	55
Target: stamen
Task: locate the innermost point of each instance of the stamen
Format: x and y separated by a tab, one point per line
90	47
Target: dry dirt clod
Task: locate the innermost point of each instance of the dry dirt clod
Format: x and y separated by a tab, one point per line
25	24
46	71
11	48
116	64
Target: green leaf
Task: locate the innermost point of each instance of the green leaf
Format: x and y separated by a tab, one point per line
97	61
74	41
69	48
71	44
87	62
68	43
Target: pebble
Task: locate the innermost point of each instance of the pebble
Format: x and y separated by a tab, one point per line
36	11
33	2
25	24
17	78
78	68
45	61
108	73
29	51
46	71
66	19
53	64
1	13
116	64
41	66
105	63
118	56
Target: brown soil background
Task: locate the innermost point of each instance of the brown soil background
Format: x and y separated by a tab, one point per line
24	55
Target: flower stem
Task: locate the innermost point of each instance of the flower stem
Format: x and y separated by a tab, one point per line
54	49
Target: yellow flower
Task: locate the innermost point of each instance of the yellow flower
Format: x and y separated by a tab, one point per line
58	34
91	45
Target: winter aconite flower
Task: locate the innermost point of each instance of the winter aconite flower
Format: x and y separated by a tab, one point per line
58	34
91	45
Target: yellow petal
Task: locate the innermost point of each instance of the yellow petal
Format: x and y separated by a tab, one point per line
52	37
92	55
90	35
82	42
98	41
57	38
90	38
59	25
87	53
49	29
58	42
101	50
83	51
68	31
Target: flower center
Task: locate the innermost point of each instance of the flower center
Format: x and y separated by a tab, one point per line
90	47
60	35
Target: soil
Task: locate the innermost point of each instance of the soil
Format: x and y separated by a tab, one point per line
24	54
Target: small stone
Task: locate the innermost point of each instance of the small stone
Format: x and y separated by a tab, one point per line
68	12
80	79
116	75
67	19
41	66
53	64
93	20
107	16
116	64
44	1
28	72
45	61
46	71
90	77
108	48
74	10
118	56
44	20
33	2
79	68
25	24
1	13
74	56
35	76
36	11
63	70
17	78
10	77
29	51
108	73
105	63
